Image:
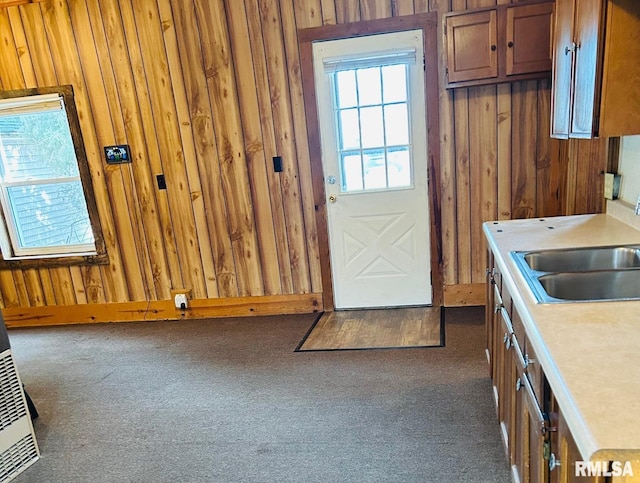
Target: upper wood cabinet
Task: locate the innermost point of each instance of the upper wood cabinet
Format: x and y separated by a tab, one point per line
596	69
501	44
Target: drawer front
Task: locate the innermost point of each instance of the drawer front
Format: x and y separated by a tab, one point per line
534	372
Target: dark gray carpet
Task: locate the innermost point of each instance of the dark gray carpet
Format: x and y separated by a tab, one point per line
230	401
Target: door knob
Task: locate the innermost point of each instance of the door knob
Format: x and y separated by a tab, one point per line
333	198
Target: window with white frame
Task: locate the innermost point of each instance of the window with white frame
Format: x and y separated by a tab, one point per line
371	108
42	197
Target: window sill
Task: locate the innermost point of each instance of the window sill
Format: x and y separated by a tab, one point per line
53	262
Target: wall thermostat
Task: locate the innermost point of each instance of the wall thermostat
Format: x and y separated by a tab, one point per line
117	154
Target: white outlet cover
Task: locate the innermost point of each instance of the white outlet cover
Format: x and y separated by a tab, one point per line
180	300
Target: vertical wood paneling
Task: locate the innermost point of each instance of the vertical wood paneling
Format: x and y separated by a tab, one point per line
188	146
504	151
548	172
483	171
256	159
524	149
206	153
328	12
38	45
141	288
134	110
222	88
285	143
309	13
10	69
448	167
347	11
373	9
67	65
269	142
207	93
462	253
105	125
302	145
154	58
402	7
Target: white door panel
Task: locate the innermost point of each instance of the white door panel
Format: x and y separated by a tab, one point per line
375	167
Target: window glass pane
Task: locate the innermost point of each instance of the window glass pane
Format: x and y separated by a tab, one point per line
399	167
396	124
375	176
48	215
372	127
349	129
36	146
346	87
394	83
351	172
369	88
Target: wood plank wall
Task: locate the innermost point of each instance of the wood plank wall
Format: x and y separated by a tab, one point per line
206	92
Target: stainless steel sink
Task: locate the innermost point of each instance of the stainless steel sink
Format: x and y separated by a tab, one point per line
592	286
582	274
581	259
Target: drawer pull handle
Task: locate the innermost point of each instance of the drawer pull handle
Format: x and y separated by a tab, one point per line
528	361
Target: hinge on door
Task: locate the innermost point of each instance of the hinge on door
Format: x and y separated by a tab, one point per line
424	63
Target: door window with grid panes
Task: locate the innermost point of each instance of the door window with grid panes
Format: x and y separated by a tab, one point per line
371	106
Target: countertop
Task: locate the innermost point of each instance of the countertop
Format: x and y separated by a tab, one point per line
589	351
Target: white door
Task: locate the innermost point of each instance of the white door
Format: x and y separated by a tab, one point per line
371	106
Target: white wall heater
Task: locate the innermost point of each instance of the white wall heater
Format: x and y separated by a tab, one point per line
18	447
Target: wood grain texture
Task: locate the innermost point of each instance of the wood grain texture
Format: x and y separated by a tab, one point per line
188	146
376	329
161	310
207	93
464	294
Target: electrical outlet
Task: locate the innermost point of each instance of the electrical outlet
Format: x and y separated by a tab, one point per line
181	301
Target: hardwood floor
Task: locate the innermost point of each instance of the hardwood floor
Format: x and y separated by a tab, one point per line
374	329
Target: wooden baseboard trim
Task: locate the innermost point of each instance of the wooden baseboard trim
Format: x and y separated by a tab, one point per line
161	310
464	294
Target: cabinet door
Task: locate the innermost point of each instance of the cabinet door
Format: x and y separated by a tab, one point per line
566	453
489	309
528	38
563	52
586	93
472	51
531	465
507	385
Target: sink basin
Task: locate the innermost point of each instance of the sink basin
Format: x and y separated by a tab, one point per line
592	286
582	274
582	259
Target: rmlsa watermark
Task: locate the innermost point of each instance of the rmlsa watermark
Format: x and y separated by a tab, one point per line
603	468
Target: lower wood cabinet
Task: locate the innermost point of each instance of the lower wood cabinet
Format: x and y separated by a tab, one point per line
538	443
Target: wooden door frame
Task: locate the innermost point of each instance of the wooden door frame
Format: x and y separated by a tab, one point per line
428	23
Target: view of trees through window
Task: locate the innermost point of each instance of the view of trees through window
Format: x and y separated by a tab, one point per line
42	195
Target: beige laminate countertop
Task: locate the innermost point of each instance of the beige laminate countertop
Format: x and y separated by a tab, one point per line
589	351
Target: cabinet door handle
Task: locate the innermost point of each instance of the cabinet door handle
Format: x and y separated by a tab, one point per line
493	48
528	361
553	462
571	48
518	384
507	341
510	44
